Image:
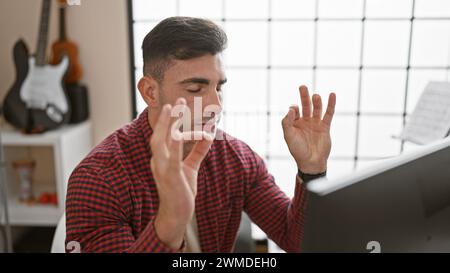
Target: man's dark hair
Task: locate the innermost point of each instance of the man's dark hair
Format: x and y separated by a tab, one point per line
180	38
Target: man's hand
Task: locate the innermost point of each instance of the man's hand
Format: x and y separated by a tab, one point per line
176	180
308	136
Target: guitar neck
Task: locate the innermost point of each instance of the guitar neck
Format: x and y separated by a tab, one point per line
62	24
43	33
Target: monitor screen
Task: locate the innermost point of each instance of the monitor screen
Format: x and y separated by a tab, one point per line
399	205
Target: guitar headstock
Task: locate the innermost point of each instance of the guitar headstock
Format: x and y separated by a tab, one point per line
64	3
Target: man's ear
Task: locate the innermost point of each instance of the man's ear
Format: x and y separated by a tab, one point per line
149	89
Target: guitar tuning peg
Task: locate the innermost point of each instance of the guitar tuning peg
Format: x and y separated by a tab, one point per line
74	2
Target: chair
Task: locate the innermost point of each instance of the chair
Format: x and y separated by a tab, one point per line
58	244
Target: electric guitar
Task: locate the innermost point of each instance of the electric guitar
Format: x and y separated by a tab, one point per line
37	101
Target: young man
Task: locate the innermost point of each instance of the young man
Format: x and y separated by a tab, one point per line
147	188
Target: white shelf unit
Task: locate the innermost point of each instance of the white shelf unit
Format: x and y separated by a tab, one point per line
69	144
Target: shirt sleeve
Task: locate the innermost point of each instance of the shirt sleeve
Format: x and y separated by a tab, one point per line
95	219
280	217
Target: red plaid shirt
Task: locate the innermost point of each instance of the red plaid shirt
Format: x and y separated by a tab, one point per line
112	198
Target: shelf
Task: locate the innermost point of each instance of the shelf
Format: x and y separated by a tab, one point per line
12	137
69	145
21	214
36	214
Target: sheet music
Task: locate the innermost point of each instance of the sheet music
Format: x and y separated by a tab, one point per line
430	119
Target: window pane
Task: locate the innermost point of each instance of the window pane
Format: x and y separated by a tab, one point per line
339	43
247	43
250	128
153	9
221	122
341	8
343	133
432	8
375	136
293	9
277	145
284	172
246	100
211	9
246	9
383	91
292	43
284	84
342	82
418	79
246	90
338	168
431	43
386	43
140	31
388	8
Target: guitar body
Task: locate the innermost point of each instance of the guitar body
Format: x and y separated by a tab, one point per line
37	100
14	108
69	49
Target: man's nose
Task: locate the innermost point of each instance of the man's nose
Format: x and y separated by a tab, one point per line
213	99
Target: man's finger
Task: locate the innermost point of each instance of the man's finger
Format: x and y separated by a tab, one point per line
296	111
178	114
176	150
328	117
158	140
317	103
288	120
306	101
199	151
174	130
179	110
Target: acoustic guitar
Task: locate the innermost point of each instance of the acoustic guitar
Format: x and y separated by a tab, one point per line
65	47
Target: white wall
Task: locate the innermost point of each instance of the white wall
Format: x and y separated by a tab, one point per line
101	31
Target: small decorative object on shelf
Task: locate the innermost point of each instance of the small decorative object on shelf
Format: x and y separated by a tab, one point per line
24	170
47	198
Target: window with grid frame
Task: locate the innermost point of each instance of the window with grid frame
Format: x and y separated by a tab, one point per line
376	55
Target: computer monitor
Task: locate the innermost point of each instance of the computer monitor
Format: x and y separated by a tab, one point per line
399	205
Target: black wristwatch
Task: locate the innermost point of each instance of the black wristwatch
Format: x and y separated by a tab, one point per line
306	177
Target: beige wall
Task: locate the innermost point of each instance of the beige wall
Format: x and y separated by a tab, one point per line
100	29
